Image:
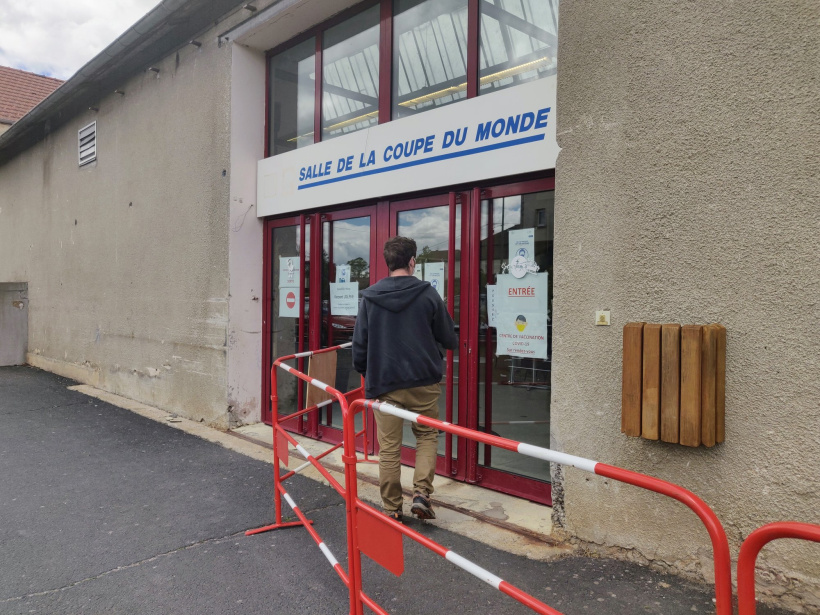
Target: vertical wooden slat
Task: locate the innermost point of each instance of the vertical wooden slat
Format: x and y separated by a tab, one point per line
651	382
720	384
690	354
708	360
670	383
631	385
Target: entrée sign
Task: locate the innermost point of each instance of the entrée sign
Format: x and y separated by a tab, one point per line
504	133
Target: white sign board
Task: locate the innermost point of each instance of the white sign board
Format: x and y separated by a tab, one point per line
434	273
289	272
342	274
522	243
344	298
521	323
289	302
508	132
522	252
492	306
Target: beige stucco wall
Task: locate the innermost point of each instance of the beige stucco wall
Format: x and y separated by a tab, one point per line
687	191
127	258
245	235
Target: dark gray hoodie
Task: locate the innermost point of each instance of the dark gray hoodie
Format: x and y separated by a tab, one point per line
401	323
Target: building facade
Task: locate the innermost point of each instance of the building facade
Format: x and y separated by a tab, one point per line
212	192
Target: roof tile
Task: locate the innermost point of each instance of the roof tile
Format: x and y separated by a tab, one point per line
21	91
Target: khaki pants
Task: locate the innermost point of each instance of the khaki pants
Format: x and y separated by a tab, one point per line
424	401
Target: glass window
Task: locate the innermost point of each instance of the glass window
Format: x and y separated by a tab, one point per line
429	54
292	97
350	75
514	392
518	42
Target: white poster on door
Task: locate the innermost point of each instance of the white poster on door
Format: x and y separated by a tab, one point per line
522	315
344	298
434	273
417	272
289	302
522	335
342	274
492	306
289	272
522	252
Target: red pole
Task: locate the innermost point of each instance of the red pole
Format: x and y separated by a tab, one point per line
750	549
274	398
720	544
354	567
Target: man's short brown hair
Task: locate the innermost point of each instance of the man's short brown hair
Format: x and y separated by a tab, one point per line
398	251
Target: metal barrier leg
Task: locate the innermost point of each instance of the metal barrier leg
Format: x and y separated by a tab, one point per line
750	549
720	544
277	480
354	560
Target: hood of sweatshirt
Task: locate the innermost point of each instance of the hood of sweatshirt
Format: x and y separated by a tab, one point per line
396	293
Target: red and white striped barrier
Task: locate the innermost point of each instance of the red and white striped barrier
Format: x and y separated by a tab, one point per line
381	530
720	544
750	549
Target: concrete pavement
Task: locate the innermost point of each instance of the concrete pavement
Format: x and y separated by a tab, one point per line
111	510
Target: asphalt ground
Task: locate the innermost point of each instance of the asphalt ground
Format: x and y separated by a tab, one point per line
103	511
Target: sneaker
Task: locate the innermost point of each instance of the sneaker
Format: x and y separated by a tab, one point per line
422	506
396	515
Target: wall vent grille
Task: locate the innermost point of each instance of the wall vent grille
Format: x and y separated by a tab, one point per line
87	138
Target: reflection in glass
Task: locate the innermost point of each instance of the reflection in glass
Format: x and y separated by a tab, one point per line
350	75
519	42
514	392
344	242
429	54
430	228
285	329
292	97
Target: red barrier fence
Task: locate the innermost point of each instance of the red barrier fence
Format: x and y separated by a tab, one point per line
380	537
748	556
720	544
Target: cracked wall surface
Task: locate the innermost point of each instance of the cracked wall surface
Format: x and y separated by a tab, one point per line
687	192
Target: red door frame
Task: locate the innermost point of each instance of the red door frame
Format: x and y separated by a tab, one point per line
444	464
267	311
316	427
491	478
383	225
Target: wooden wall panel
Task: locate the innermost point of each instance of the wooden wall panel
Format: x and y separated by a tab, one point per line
690	375
670	383
720	384
631	384
708	363
651	383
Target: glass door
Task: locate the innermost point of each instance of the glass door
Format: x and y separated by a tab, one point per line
489	253
347	252
285	311
513	306
435	224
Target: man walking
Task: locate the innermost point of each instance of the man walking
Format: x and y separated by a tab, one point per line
401	325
